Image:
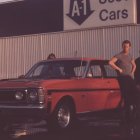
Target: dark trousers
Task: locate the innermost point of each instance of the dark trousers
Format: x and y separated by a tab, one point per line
128	90
129	96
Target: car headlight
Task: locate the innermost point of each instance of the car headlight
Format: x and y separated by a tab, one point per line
19	95
33	95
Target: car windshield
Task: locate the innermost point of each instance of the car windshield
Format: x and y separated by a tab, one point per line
57	69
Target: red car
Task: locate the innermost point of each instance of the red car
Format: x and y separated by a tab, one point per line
62	90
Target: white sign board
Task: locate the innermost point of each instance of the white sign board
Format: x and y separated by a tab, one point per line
96	13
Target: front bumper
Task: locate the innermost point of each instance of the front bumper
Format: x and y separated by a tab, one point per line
23	112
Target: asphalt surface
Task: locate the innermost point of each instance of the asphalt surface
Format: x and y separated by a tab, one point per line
109	130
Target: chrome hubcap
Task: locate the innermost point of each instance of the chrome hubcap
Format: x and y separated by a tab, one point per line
63	117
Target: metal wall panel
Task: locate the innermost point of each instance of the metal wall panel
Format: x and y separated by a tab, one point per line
18	54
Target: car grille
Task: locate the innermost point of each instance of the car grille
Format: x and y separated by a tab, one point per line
8	96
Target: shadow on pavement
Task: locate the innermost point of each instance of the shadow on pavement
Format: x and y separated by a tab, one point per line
82	132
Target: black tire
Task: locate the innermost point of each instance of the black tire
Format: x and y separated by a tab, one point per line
63	116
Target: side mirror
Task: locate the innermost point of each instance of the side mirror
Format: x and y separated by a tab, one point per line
21	77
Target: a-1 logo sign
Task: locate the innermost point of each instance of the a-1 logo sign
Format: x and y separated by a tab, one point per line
80	10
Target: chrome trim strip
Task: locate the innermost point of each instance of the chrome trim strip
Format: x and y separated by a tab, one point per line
22	107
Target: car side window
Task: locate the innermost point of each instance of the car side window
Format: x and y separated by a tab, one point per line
79	71
110	72
95	71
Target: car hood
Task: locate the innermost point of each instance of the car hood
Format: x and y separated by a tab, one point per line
19	83
27	83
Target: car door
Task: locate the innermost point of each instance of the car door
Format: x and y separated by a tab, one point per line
104	93
114	99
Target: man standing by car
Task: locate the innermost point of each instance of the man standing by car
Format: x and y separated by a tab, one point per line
123	62
125	65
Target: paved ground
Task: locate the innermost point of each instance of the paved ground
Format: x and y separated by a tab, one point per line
86	131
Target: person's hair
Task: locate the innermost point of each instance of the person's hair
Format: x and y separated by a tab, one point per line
126	42
51	55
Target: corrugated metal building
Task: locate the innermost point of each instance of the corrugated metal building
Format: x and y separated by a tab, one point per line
19	50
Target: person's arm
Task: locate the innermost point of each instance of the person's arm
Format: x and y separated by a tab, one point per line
113	65
133	66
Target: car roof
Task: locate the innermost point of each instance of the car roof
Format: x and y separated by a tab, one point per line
72	58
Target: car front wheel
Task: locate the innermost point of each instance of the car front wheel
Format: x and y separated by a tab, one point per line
63	116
